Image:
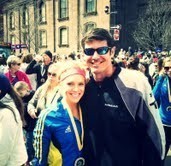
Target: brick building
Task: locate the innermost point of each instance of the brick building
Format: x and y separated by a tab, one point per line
57	25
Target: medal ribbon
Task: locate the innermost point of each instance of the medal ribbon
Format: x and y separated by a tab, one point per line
79	142
43	70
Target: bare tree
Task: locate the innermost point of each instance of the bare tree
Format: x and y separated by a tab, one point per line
153	28
27	23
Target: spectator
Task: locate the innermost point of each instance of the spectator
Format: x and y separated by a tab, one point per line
12	149
26	95
2	63
40	68
26	59
162	94
144	68
14	74
44	96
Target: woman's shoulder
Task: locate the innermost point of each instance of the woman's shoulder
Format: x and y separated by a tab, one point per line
10	116
10	106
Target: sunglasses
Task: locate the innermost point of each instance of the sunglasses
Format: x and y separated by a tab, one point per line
100	51
52	74
16	64
167	67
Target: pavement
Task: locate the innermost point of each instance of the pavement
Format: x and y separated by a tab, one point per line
168	159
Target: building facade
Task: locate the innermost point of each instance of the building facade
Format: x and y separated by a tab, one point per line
56	25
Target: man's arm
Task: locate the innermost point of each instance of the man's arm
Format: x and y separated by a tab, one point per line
32	67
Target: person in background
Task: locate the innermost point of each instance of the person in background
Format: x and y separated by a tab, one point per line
44	96
14	74
2	64
162	94
158	69
119	111
133	63
12	147
26	59
144	68
62	123
26	95
40	68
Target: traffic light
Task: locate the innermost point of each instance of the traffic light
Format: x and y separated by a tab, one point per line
116	34
106	9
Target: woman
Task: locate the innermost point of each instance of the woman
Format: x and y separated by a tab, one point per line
162	93
12	147
14	74
44	96
62	123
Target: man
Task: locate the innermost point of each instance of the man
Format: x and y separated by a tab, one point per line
39	68
121	121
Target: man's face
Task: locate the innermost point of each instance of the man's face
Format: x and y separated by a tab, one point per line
46	59
96	62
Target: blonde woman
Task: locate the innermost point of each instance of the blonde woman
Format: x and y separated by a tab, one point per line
62	123
14	74
162	95
43	97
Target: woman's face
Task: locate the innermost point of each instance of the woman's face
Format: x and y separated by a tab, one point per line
167	68
52	76
72	88
16	66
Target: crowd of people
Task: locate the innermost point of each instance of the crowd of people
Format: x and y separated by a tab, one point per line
97	109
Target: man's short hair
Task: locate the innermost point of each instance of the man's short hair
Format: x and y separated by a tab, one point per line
98	34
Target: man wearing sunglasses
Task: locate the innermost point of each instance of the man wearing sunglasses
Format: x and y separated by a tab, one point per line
162	94
122	125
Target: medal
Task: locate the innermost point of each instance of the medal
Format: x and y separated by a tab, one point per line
42	80
79	161
168	108
79	142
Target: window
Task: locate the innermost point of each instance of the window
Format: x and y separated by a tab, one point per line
25	38
12	20
25	16
42	12
12	39
90	6
63	37
43	38
89	26
63	9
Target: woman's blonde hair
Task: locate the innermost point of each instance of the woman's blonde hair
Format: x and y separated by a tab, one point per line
167	59
45	87
13	60
69	65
